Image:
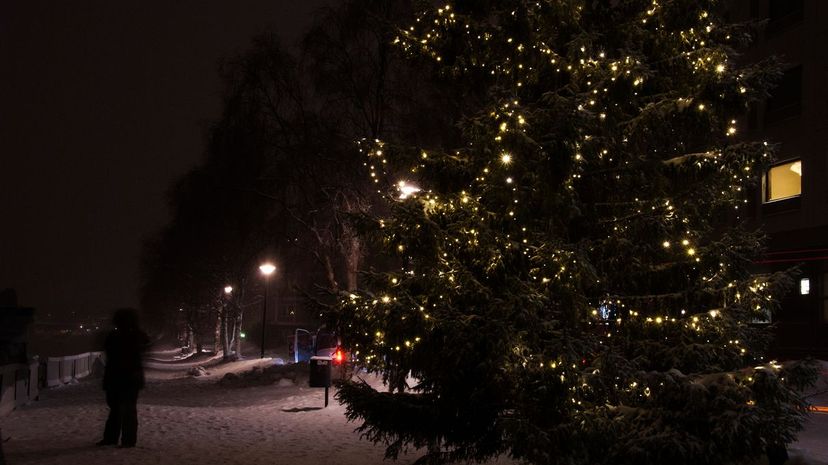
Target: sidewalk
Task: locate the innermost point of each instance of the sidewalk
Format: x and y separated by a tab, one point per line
813	440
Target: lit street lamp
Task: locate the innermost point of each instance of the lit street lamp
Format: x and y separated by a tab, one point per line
225	338
267	269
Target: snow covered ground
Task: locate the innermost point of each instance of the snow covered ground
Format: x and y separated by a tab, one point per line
185	419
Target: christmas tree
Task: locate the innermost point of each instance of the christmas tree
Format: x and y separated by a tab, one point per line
574	284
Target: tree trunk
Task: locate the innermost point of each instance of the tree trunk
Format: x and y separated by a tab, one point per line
352	256
231	337
225	338
190	338
217	332
329	272
237	335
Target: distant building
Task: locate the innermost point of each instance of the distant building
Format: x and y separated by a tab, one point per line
793	201
15	323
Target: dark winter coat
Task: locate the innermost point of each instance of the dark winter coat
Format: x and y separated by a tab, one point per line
125	349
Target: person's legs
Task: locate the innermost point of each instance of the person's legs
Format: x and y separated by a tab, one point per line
129	420
113	422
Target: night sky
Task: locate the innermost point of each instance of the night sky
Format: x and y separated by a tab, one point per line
102	105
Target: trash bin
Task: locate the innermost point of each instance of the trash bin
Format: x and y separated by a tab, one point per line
320	372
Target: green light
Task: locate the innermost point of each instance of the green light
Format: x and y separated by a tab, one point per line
243	335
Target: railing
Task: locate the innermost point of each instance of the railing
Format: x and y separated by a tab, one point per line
18	385
20	382
62	370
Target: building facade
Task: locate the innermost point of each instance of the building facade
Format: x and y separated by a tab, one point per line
792	204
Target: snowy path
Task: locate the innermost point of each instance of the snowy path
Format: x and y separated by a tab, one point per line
196	420
186	420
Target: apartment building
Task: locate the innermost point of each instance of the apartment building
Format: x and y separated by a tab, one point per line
792	203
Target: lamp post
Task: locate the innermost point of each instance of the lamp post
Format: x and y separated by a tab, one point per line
267	269
225	339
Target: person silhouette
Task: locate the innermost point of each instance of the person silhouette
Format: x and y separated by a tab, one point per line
123	378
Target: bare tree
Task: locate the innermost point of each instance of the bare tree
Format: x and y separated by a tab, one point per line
283	168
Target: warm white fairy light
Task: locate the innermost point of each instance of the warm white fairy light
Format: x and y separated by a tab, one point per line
406	189
594	71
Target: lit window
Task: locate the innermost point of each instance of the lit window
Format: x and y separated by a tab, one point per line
804	286
783	181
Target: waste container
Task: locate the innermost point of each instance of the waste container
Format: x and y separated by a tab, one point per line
320	372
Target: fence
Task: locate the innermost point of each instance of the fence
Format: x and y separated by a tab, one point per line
20	383
62	370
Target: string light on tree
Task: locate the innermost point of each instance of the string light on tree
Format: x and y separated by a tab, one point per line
577	253
407	189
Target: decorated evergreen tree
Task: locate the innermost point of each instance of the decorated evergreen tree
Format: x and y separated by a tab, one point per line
574	284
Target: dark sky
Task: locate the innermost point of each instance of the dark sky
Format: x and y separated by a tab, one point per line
102	105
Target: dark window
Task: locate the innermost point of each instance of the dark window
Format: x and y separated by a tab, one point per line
783	13
779	9
786	98
825	298
755	10
753	119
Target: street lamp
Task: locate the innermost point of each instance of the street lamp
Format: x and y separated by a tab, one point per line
267	269
225	339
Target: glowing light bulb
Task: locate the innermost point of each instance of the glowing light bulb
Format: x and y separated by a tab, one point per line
406	189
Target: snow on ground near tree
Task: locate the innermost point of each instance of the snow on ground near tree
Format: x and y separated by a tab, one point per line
185	419
813	441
